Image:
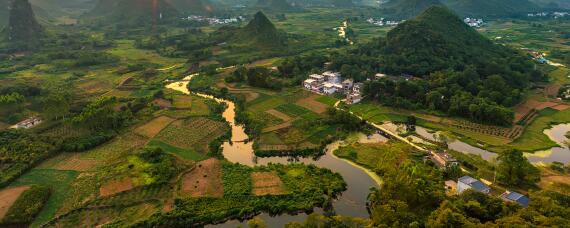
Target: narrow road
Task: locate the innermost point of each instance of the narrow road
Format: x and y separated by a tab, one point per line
384	130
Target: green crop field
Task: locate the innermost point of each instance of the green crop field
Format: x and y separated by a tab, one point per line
58	181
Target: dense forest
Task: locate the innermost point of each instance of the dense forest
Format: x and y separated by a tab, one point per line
447	66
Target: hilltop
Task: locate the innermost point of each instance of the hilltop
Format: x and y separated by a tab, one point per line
40	13
259	32
22	23
274	5
491	8
437	40
404	9
131	12
192	6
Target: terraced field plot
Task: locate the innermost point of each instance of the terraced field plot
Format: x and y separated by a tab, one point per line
153	127
267	183
195	133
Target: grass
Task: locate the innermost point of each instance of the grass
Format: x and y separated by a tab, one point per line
292	109
533	138
187	154
372	156
330	101
60	183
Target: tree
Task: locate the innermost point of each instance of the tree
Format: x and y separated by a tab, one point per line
256	223
515	169
57	99
411	123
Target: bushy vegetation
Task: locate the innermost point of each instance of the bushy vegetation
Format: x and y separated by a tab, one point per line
19	151
450	68
27	206
307	187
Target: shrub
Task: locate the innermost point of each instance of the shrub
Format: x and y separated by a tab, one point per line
27	206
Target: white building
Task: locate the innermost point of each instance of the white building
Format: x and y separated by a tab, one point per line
358	88
329	88
347	85
332	77
353	98
467	182
317	77
308	84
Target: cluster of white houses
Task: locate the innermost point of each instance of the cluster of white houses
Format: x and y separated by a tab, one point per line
329	83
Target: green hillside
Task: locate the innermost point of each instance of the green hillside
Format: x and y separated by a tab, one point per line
274	5
491	8
22	23
404	9
259	33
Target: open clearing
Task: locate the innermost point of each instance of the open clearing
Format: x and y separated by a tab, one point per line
194	133
204	180
8	197
154	127
116	186
266	183
313	105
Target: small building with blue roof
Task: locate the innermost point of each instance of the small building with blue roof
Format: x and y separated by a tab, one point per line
467	182
515	197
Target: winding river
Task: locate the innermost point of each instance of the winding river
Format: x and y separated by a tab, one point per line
352	202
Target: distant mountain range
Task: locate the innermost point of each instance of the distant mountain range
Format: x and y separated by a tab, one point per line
404	9
130	12
274	5
192	6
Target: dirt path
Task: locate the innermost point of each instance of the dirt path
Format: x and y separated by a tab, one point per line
8	197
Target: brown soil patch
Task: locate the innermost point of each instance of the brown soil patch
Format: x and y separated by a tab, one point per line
279	114
523	109
267	183
561	107
76	163
154	127
162	103
8	197
204	180
116	186
313	105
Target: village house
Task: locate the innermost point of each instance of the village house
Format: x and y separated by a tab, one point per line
329	88
358	88
379	76
443	160
332	77
515	197
467	182
353	98
347	85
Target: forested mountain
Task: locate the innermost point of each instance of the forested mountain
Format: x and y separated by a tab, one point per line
274	5
553	4
458	71
39	12
132	12
192	6
22	24
404	9
491	8
258	33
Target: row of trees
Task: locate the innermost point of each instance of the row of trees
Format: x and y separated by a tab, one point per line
462	94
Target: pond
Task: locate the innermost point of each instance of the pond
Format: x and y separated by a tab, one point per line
561	153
